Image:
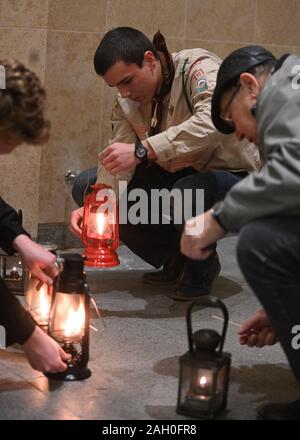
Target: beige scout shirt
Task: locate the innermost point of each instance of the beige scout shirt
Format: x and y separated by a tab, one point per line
185	140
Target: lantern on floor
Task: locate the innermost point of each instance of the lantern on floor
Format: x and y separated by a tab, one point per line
69	318
100	234
39	295
204	369
12	271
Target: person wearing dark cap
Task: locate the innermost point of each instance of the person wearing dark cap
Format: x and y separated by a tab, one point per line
162	132
258	98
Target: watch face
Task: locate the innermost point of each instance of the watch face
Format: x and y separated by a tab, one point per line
141	152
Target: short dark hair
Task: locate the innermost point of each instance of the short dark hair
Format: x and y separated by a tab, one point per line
122	44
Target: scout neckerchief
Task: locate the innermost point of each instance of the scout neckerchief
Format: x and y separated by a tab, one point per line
168	72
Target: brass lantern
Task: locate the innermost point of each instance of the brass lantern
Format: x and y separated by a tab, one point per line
204	369
69	318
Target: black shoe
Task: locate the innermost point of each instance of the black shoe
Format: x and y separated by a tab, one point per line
171	273
280	411
191	288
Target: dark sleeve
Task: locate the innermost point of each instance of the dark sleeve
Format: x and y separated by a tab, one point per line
18	323
10	226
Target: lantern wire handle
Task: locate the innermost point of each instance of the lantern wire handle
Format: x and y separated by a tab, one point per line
206	302
87	184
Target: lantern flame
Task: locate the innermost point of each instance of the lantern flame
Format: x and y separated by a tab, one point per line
75	322
14	273
103	225
203	381
100	223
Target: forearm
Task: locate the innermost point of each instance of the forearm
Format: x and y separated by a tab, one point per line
18	324
21	242
10	227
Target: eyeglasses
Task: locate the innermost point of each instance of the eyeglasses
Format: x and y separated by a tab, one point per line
223	116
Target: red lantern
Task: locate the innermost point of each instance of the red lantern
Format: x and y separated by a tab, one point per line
100	233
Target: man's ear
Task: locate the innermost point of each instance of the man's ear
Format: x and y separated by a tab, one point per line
150	59
250	83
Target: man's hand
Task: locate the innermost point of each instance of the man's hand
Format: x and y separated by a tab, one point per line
199	234
44	354
118	157
76	222
257	331
38	260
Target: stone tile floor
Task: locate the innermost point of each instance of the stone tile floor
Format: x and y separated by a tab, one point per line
134	355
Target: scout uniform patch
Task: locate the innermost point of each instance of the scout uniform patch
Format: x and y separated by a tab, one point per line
198	73
201	84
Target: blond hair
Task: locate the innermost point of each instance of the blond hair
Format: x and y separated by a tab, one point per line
22	104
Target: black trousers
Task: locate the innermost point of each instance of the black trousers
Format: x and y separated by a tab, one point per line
215	185
154	243
269	256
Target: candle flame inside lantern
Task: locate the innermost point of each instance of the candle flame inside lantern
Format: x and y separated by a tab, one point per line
15	273
203	381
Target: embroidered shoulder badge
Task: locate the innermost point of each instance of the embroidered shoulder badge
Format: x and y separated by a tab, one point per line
201	84
198	73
